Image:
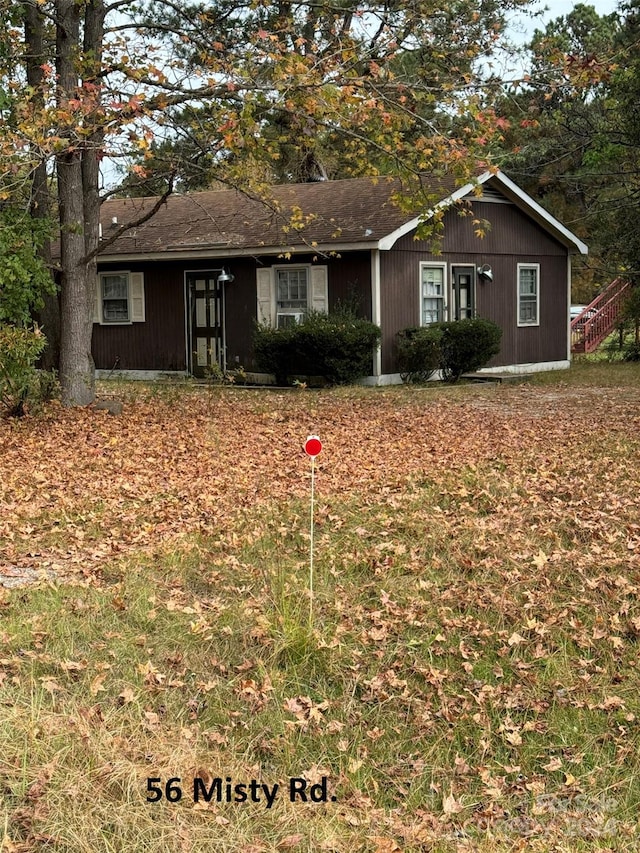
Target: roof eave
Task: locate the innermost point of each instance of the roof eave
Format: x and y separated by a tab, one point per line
234	252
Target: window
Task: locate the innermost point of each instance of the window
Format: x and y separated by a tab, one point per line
432	294
292	289
285	293
528	294
115	297
119	298
292	294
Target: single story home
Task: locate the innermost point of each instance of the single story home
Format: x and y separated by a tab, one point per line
185	289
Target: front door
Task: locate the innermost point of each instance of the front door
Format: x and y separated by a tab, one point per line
206	313
462	293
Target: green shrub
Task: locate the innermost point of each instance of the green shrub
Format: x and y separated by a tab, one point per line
273	350
457	347
48	386
418	352
631	352
467	345
337	346
20	383
24	277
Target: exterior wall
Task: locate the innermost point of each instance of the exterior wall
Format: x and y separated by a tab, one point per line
512	239
349	279
160	343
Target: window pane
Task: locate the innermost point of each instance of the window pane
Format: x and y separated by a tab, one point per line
528	281
528	312
115	298
115	310
292	288
432	295
432	311
114	286
432	281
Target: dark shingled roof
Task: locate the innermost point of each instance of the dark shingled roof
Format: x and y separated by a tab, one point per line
331	213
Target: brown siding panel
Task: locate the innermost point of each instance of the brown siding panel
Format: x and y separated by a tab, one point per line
160	344
512	239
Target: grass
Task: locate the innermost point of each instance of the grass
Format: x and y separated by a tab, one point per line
469	681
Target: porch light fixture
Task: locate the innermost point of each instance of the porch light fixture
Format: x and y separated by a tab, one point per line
225	277
485	272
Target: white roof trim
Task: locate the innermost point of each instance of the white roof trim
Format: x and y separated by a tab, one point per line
537	212
390	240
543	216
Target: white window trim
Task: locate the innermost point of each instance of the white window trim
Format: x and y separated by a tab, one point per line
445	289
127	275
298	313
535	267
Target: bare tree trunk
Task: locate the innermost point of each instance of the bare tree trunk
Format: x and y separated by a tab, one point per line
77	374
78	173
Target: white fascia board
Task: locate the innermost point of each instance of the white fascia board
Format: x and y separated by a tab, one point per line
543	217
540	214
390	240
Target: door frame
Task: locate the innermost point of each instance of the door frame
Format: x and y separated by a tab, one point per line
453	302
209	272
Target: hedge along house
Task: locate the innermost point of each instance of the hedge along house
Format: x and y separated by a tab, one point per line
184	290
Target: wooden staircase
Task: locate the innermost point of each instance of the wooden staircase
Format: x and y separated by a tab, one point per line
599	318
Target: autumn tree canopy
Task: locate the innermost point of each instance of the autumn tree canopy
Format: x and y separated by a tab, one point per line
573	140
87	82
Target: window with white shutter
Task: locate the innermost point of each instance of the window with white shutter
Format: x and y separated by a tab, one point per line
285	294
119	298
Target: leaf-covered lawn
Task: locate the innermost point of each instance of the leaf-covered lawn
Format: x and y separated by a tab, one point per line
470	678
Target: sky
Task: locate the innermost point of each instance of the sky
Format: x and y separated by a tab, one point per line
556	8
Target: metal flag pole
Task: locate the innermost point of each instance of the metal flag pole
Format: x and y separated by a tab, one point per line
312	448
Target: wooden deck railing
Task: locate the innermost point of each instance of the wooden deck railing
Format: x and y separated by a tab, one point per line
599	318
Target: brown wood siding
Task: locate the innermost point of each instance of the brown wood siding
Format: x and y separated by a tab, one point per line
512	239
241	308
349	280
159	343
511	232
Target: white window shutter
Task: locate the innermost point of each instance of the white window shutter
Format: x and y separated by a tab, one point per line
266	296
136	296
97	301
319	289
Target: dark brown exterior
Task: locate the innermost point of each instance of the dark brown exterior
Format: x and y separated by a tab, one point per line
512	239
161	342
517	233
